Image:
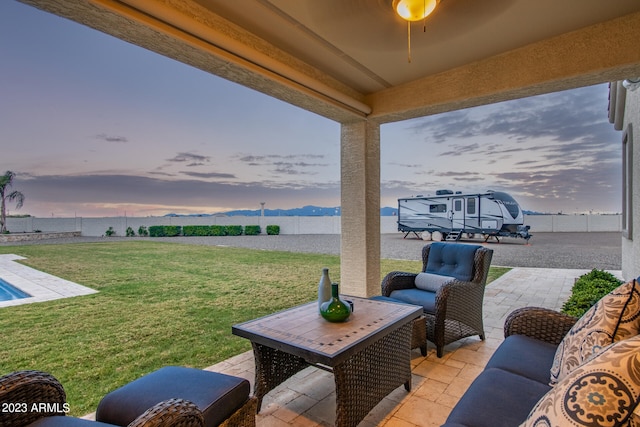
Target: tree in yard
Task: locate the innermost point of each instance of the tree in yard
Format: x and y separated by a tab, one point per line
5	196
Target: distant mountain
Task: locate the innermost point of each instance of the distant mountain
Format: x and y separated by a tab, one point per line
303	211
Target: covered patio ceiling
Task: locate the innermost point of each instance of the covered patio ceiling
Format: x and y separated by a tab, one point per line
347	60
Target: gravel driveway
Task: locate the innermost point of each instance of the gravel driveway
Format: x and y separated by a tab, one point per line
545	250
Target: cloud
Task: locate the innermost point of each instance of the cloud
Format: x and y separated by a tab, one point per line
112	138
208	174
290	164
568	116
82	190
270	158
405	165
195	159
461	149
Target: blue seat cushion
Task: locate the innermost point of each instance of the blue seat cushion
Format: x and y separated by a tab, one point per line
490	400
62	421
216	395
525	356
416	296
452	259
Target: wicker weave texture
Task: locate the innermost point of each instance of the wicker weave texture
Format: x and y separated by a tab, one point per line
362	380
245	416
273	367
540	323
419	334
30	387
365	379
170	413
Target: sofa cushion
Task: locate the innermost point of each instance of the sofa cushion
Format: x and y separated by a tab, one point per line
524	356
216	395
62	421
615	317
497	398
431	282
603	391
416	297
452	260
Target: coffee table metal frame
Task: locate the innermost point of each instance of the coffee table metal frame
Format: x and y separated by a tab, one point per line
369	355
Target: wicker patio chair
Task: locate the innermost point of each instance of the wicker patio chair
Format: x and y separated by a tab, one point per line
454	309
26	388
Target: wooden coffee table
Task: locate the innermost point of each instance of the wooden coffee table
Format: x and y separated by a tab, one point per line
369	354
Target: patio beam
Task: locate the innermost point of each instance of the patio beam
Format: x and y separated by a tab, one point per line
191	34
596	54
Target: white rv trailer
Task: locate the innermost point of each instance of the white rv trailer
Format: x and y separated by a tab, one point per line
449	215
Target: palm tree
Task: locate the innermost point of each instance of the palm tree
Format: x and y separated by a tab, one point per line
5	183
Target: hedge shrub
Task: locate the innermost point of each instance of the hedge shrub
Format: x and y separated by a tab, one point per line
233	230
164	230
252	230
196	230
588	289
218	230
273	229
206	230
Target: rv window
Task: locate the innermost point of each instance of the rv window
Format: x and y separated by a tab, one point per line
458	205
471	206
437	208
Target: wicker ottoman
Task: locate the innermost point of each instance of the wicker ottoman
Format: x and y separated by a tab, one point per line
418	330
223	399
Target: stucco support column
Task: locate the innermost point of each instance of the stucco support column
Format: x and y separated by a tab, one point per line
360	203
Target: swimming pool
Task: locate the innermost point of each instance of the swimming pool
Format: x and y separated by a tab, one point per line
9	292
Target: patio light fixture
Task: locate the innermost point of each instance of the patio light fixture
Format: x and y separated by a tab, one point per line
414	10
411	11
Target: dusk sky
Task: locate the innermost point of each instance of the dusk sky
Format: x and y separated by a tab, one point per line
94	126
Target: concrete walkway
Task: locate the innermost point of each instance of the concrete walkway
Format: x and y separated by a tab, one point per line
39	285
308	398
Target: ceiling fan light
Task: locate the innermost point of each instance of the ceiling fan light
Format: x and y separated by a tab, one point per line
414	10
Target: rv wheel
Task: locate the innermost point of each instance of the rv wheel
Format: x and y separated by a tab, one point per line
426	236
437	236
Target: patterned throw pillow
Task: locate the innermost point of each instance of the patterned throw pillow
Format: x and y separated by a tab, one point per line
602	392
615	317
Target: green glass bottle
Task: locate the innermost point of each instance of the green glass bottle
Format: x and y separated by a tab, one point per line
335	310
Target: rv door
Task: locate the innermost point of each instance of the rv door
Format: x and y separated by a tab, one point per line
457	213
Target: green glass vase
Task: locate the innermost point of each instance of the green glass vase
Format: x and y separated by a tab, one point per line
335	310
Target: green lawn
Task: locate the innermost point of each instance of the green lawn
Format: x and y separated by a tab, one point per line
159	304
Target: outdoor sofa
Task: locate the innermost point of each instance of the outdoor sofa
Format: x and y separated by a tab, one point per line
556	370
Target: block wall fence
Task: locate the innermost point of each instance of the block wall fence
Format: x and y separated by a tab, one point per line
288	224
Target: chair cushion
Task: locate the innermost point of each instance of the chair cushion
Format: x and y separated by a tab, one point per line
615	317
524	356
490	400
416	297
216	395
604	391
62	421
452	259
431	282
